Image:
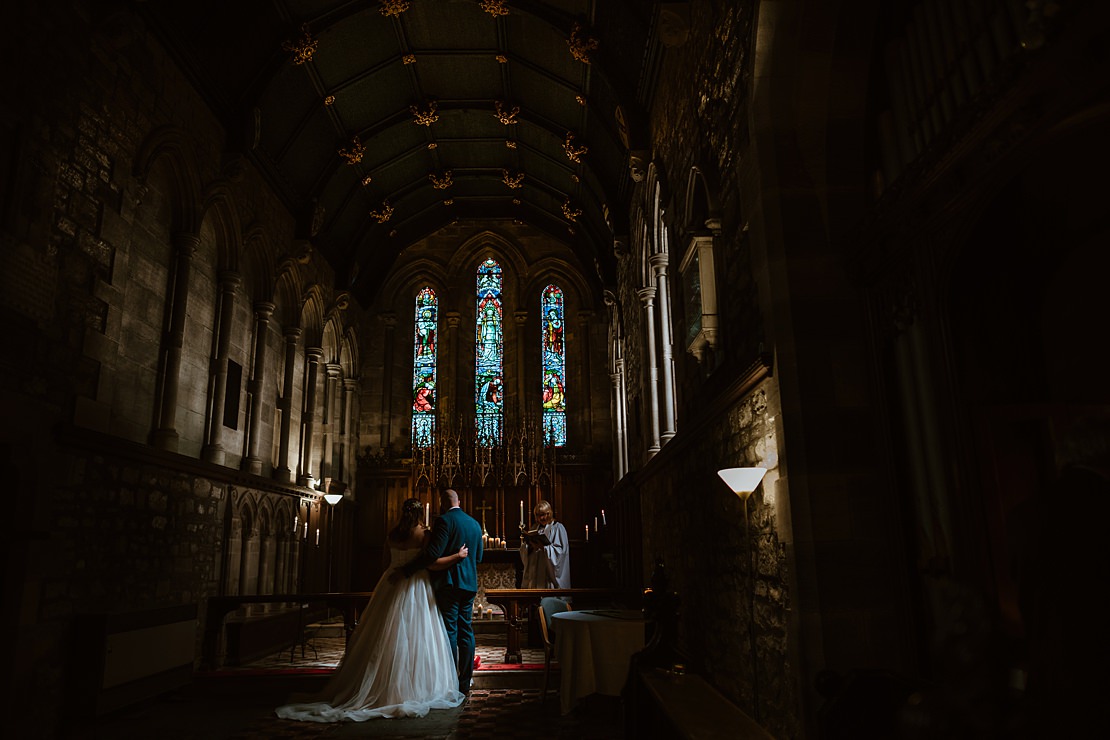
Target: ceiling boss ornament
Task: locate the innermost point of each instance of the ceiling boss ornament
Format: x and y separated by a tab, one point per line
442	182
424	118
507	117
574	153
494	7
393	7
570	212
353	153
511	180
581	46
383	214
303	48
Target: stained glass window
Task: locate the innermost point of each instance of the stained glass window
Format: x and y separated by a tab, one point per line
424	369
554	367
488	353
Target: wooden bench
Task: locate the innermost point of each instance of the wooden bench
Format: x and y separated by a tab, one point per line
517	603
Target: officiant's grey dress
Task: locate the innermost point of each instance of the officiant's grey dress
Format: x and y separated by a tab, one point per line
548	567
398	662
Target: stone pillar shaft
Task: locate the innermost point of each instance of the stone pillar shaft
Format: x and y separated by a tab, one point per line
213	451
165	437
647	297
659	264
252	463
313	355
284	472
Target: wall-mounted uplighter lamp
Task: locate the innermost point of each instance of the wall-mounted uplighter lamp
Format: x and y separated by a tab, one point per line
743	481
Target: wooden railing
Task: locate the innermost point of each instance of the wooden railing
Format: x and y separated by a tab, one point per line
350	604
515	602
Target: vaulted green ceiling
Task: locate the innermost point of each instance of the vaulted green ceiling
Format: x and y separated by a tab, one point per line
452	102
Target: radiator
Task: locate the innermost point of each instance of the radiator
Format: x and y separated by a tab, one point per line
134	656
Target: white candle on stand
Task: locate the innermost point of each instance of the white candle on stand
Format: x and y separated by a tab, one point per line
427	514
603	518
595	524
587	533
522	512
317	537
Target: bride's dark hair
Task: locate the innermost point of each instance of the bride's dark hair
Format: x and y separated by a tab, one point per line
412	513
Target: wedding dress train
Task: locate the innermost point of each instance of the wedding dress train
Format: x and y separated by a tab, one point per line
398	661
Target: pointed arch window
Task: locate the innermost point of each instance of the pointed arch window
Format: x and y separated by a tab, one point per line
554	362
424	369
489	350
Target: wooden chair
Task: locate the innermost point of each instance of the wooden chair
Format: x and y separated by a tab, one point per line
549	607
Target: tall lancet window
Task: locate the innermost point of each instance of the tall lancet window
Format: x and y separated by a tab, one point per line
554	367
424	369
488	354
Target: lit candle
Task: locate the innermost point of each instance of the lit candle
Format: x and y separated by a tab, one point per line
296	523
587	533
522	512
318	537
603	518
306	529
427	514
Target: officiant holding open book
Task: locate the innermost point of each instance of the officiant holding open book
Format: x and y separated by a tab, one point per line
545	551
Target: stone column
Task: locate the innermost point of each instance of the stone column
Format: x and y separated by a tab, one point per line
520	318
252	463
213	451
165	436
347	436
659	264
390	321
284	472
586	394
331	384
313	356
451	408
647	297
620	455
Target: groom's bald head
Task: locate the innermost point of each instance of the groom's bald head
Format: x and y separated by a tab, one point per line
448	498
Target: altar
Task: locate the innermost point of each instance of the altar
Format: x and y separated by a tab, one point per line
500	568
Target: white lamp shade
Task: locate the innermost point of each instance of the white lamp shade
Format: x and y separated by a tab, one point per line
333	498
742	481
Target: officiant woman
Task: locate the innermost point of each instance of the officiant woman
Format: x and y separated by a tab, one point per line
547	566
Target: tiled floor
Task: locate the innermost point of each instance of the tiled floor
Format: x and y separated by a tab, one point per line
238	704
325	652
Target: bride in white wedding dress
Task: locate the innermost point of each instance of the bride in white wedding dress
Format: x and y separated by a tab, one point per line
398	661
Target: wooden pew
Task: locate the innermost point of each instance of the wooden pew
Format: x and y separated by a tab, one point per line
517	603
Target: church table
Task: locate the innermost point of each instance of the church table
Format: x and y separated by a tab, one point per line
518	603
594	649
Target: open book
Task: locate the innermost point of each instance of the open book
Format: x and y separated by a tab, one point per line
535	538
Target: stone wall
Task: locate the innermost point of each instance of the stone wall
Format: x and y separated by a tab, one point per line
695	524
110	156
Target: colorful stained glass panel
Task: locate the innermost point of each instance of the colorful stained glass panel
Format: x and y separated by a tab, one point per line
424	369
489	393
554	367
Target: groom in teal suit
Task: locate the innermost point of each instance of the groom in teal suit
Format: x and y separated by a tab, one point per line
456	587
